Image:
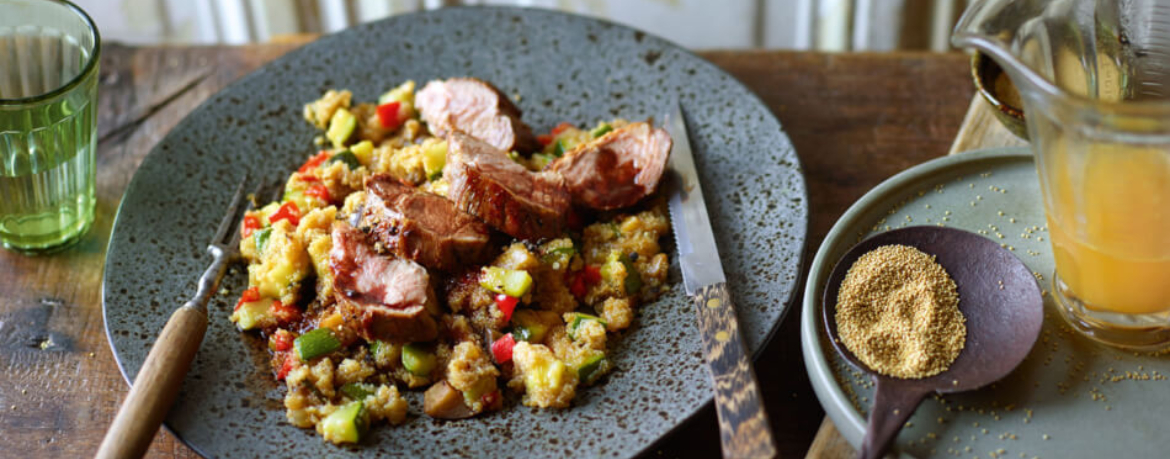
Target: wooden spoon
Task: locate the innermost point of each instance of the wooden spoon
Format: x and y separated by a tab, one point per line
999	298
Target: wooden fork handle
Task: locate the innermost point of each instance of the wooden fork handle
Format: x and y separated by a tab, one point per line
743	425
156	386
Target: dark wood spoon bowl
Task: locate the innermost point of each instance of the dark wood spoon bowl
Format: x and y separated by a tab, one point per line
999	297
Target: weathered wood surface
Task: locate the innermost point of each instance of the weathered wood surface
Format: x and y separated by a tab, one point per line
855	119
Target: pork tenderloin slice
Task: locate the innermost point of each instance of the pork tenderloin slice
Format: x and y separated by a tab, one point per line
391	298
484	182
423	227
615	170
476	107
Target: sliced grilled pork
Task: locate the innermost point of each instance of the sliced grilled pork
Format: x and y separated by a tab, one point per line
476	107
390	298
617	169
423	227
486	183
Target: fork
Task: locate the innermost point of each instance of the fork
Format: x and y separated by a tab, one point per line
161	376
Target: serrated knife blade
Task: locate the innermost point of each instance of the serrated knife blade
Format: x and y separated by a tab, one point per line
698	256
743	425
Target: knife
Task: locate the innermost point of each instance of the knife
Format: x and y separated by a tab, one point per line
743	425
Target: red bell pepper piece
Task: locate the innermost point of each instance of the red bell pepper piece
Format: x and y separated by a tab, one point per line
561	128
282	340
390	115
287	211
251	223
577	286
249	295
507	304
592	274
284	313
544	139
502	348
584	279
315	161
319	191
290	360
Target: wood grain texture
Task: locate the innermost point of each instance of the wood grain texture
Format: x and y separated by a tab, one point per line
156	385
744	430
855	120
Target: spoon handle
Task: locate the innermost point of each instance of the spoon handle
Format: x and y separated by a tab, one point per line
892	406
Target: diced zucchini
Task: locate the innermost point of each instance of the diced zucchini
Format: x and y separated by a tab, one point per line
560	255
266	212
633	278
357	391
261	236
403	93
590	370
252	313
580	318
297	197
600	130
527	326
316	343
341	126
418	358
511	282
620	263
347	424
347	157
364	151
546	375
540	161
434	158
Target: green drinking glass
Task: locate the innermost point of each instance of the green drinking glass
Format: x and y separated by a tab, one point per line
49	53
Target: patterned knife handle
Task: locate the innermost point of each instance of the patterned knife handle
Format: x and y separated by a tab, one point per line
743	425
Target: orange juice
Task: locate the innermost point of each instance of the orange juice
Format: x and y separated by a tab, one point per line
1108	213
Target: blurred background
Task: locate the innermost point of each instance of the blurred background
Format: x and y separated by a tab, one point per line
824	25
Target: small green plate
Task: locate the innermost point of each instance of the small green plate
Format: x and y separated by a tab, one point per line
1070	397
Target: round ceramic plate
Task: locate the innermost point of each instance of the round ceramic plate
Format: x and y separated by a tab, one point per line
1069	398
557	67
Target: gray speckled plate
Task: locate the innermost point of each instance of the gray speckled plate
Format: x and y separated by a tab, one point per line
562	67
1070	397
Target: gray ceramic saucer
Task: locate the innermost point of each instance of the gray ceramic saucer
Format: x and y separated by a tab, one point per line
1070	397
559	68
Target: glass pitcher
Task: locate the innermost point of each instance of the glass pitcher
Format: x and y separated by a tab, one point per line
1094	76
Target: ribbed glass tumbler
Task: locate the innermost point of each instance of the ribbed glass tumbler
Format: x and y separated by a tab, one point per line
49	53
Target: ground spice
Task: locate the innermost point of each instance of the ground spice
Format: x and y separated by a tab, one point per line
898	312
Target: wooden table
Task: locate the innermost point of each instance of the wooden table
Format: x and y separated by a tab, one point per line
855	120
